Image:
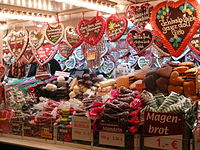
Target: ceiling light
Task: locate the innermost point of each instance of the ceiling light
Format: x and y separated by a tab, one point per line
90	5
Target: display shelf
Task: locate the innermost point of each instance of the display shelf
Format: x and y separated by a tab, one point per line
44	144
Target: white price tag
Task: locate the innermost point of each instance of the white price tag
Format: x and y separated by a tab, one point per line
81	134
114	139
164	142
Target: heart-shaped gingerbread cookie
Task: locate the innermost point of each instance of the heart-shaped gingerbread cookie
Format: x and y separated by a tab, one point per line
140	40
72	38
115	27
54	34
17	42
44	54
36	38
175	23
91	31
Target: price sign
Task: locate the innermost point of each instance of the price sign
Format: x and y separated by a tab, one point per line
167	142
114	139
61	73
81	134
91	55
81	129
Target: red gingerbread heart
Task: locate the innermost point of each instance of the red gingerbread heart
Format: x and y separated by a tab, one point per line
91	31
64	49
175	23
115	27
140	40
72	38
44	54
139	15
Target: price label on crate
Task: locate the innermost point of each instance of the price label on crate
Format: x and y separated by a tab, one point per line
81	134
113	139
164	142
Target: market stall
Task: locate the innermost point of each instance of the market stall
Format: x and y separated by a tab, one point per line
100	74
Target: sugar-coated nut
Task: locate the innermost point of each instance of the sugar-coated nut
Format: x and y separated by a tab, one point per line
51	87
76	87
177	89
60	79
72	94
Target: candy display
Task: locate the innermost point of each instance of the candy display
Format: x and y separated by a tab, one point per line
128	81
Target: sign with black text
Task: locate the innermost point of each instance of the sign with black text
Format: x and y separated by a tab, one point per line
162	124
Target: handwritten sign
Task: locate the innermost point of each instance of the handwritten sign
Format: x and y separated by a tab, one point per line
61	73
175	23
54	34
44	54
113	139
36	38
17	42
47	133
162	124
81	128
195	42
115	27
139	15
72	38
91	31
140	40
166	142
64	49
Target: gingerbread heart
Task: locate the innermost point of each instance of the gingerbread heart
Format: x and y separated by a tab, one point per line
36	38
71	37
17	42
54	34
140	40
175	23
44	54
143	61
139	15
28	54
194	43
91	31
64	49
107	67
115	27
71	62
78	53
